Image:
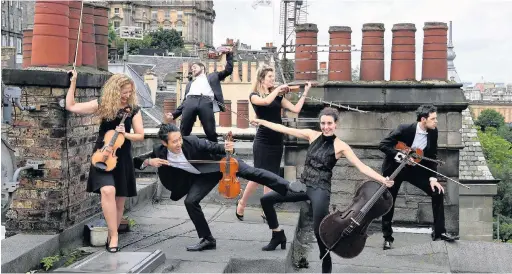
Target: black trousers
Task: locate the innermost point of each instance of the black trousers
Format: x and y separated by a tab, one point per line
320	200
419	179
202	184
198	106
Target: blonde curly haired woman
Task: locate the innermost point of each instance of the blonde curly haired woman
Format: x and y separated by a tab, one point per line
114	186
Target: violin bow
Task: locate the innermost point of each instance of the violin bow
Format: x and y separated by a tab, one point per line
414	163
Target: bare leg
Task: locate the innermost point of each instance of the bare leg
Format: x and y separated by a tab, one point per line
108	204
120	209
249	190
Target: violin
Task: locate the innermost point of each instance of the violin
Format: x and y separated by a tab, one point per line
286	89
345	232
229	186
105	158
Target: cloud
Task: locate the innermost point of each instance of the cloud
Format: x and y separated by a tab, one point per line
481	29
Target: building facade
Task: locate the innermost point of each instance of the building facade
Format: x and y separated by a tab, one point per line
15	18
193	19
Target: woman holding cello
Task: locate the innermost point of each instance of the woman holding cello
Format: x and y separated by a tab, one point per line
323	153
268	144
113	178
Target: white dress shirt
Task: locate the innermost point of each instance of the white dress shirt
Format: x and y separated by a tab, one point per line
420	141
179	161
201	86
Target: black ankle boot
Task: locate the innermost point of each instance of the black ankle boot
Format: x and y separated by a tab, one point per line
278	237
326	262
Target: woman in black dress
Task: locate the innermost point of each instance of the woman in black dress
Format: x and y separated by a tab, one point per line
268	144
114	186
323	153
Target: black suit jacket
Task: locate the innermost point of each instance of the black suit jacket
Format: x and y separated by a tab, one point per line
177	180
214	80
406	133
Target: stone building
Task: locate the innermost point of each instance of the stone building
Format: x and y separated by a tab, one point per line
192	19
16	16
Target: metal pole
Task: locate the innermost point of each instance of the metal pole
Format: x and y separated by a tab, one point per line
284	26
498	228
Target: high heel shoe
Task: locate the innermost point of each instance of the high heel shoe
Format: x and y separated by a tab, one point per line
109	249
239	216
278	238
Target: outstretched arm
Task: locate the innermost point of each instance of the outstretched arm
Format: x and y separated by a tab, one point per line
366	170
79	108
229	67
306	134
285	103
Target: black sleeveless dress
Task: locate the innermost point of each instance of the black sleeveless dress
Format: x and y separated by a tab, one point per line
320	161
122	177
268	144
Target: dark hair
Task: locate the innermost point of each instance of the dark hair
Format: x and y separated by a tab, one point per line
165	129
424	111
329	112
199	64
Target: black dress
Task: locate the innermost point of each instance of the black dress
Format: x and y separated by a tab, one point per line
122	177
268	144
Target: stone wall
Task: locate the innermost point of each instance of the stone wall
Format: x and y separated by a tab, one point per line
50	200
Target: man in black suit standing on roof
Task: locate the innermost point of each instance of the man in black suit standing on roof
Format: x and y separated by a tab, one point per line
197	100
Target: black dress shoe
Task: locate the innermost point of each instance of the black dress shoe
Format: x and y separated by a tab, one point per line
387	244
445	237
297	187
204	244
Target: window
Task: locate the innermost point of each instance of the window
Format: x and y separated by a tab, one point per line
18	47
20	24
11	41
3	18
180	15
144	14
167	14
4	40
117	24
154	15
18	5
116	10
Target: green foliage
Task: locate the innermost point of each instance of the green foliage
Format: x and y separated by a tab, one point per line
490	118
112	36
166	39
49	261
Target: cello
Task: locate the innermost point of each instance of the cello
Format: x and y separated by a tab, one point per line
229	186
105	158
345	232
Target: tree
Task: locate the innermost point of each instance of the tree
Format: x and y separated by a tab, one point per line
355	74
490	118
112	36
166	39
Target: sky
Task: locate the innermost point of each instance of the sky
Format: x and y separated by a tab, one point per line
482	29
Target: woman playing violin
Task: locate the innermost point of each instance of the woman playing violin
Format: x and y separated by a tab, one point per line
323	153
117	96
268	144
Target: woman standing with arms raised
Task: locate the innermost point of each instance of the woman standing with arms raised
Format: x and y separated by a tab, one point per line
114	186
268	144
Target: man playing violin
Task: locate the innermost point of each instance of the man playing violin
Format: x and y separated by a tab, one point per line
421	134
181	170
199	97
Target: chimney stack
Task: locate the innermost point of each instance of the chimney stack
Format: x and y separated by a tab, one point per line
27	47
50	40
340	53
74	22
372	52
306	54
435	66
101	36
403	53
88	37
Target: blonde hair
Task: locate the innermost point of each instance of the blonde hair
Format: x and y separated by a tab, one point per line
261	73
109	103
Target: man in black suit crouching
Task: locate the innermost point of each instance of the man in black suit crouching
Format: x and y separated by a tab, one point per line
421	134
196	180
